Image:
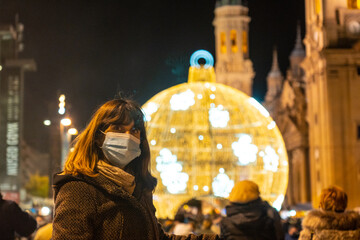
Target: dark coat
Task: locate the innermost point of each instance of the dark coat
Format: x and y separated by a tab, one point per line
255	220
321	225
13	219
96	208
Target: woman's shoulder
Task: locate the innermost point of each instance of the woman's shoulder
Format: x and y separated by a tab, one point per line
72	185
320	219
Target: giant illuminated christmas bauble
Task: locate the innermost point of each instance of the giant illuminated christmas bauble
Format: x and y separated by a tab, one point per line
205	136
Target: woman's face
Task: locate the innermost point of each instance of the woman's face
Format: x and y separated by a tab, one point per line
129	129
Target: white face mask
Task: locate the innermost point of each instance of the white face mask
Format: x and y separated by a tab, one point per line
120	148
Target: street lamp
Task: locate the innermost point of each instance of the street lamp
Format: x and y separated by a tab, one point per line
65	122
47	122
61	110
65	139
73	131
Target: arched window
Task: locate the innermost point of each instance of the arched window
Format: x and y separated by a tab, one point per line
353	4
244	42
317	6
222	42
233	39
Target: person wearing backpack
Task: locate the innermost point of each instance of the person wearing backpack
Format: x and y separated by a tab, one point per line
250	217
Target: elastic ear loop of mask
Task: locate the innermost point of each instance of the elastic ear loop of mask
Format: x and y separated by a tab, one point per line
102	133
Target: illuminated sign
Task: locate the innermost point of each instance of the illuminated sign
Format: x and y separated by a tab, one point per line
10	130
12	149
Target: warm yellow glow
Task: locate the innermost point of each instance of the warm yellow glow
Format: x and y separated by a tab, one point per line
212	134
317	6
61	110
222	42
0	67
201	74
353	4
244	42
62	98
233	39
66	121
73	131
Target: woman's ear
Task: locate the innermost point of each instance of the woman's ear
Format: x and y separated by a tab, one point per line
99	139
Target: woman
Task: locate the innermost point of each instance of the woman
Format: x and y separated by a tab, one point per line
105	190
331	221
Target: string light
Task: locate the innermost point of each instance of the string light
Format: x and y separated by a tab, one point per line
229	137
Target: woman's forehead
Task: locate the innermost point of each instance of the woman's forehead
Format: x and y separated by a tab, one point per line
125	124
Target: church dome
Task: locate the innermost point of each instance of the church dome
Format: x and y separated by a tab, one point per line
204	136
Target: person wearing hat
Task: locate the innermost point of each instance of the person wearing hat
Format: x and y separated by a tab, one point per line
249	217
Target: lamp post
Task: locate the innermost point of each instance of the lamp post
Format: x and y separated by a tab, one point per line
65	139
65	135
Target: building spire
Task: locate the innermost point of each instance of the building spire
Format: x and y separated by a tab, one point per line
298	36
275	71
274	80
298	50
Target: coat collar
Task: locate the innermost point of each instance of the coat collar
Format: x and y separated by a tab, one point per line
100	182
320	219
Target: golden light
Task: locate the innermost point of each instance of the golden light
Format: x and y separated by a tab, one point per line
61	110
73	131
66	121
62	98
206	137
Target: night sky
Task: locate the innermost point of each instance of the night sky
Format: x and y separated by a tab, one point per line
91	50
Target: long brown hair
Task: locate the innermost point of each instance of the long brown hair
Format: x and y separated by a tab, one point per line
86	154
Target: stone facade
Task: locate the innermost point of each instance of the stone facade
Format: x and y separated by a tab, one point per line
332	68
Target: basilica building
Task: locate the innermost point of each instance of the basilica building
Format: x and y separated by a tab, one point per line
316	106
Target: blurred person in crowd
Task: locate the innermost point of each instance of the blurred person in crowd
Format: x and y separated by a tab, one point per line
44	232
105	189
248	216
215	227
331	221
292	233
168	225
13	220
190	211
184	228
41	221
205	226
182	225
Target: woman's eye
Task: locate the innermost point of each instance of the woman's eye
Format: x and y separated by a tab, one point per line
135	130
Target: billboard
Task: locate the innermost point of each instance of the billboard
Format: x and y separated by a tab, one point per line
10	129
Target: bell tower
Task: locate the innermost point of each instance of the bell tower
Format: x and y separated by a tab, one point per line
332	76
233	66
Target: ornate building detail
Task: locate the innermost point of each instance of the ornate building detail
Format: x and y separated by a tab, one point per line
332	90
286	102
233	66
